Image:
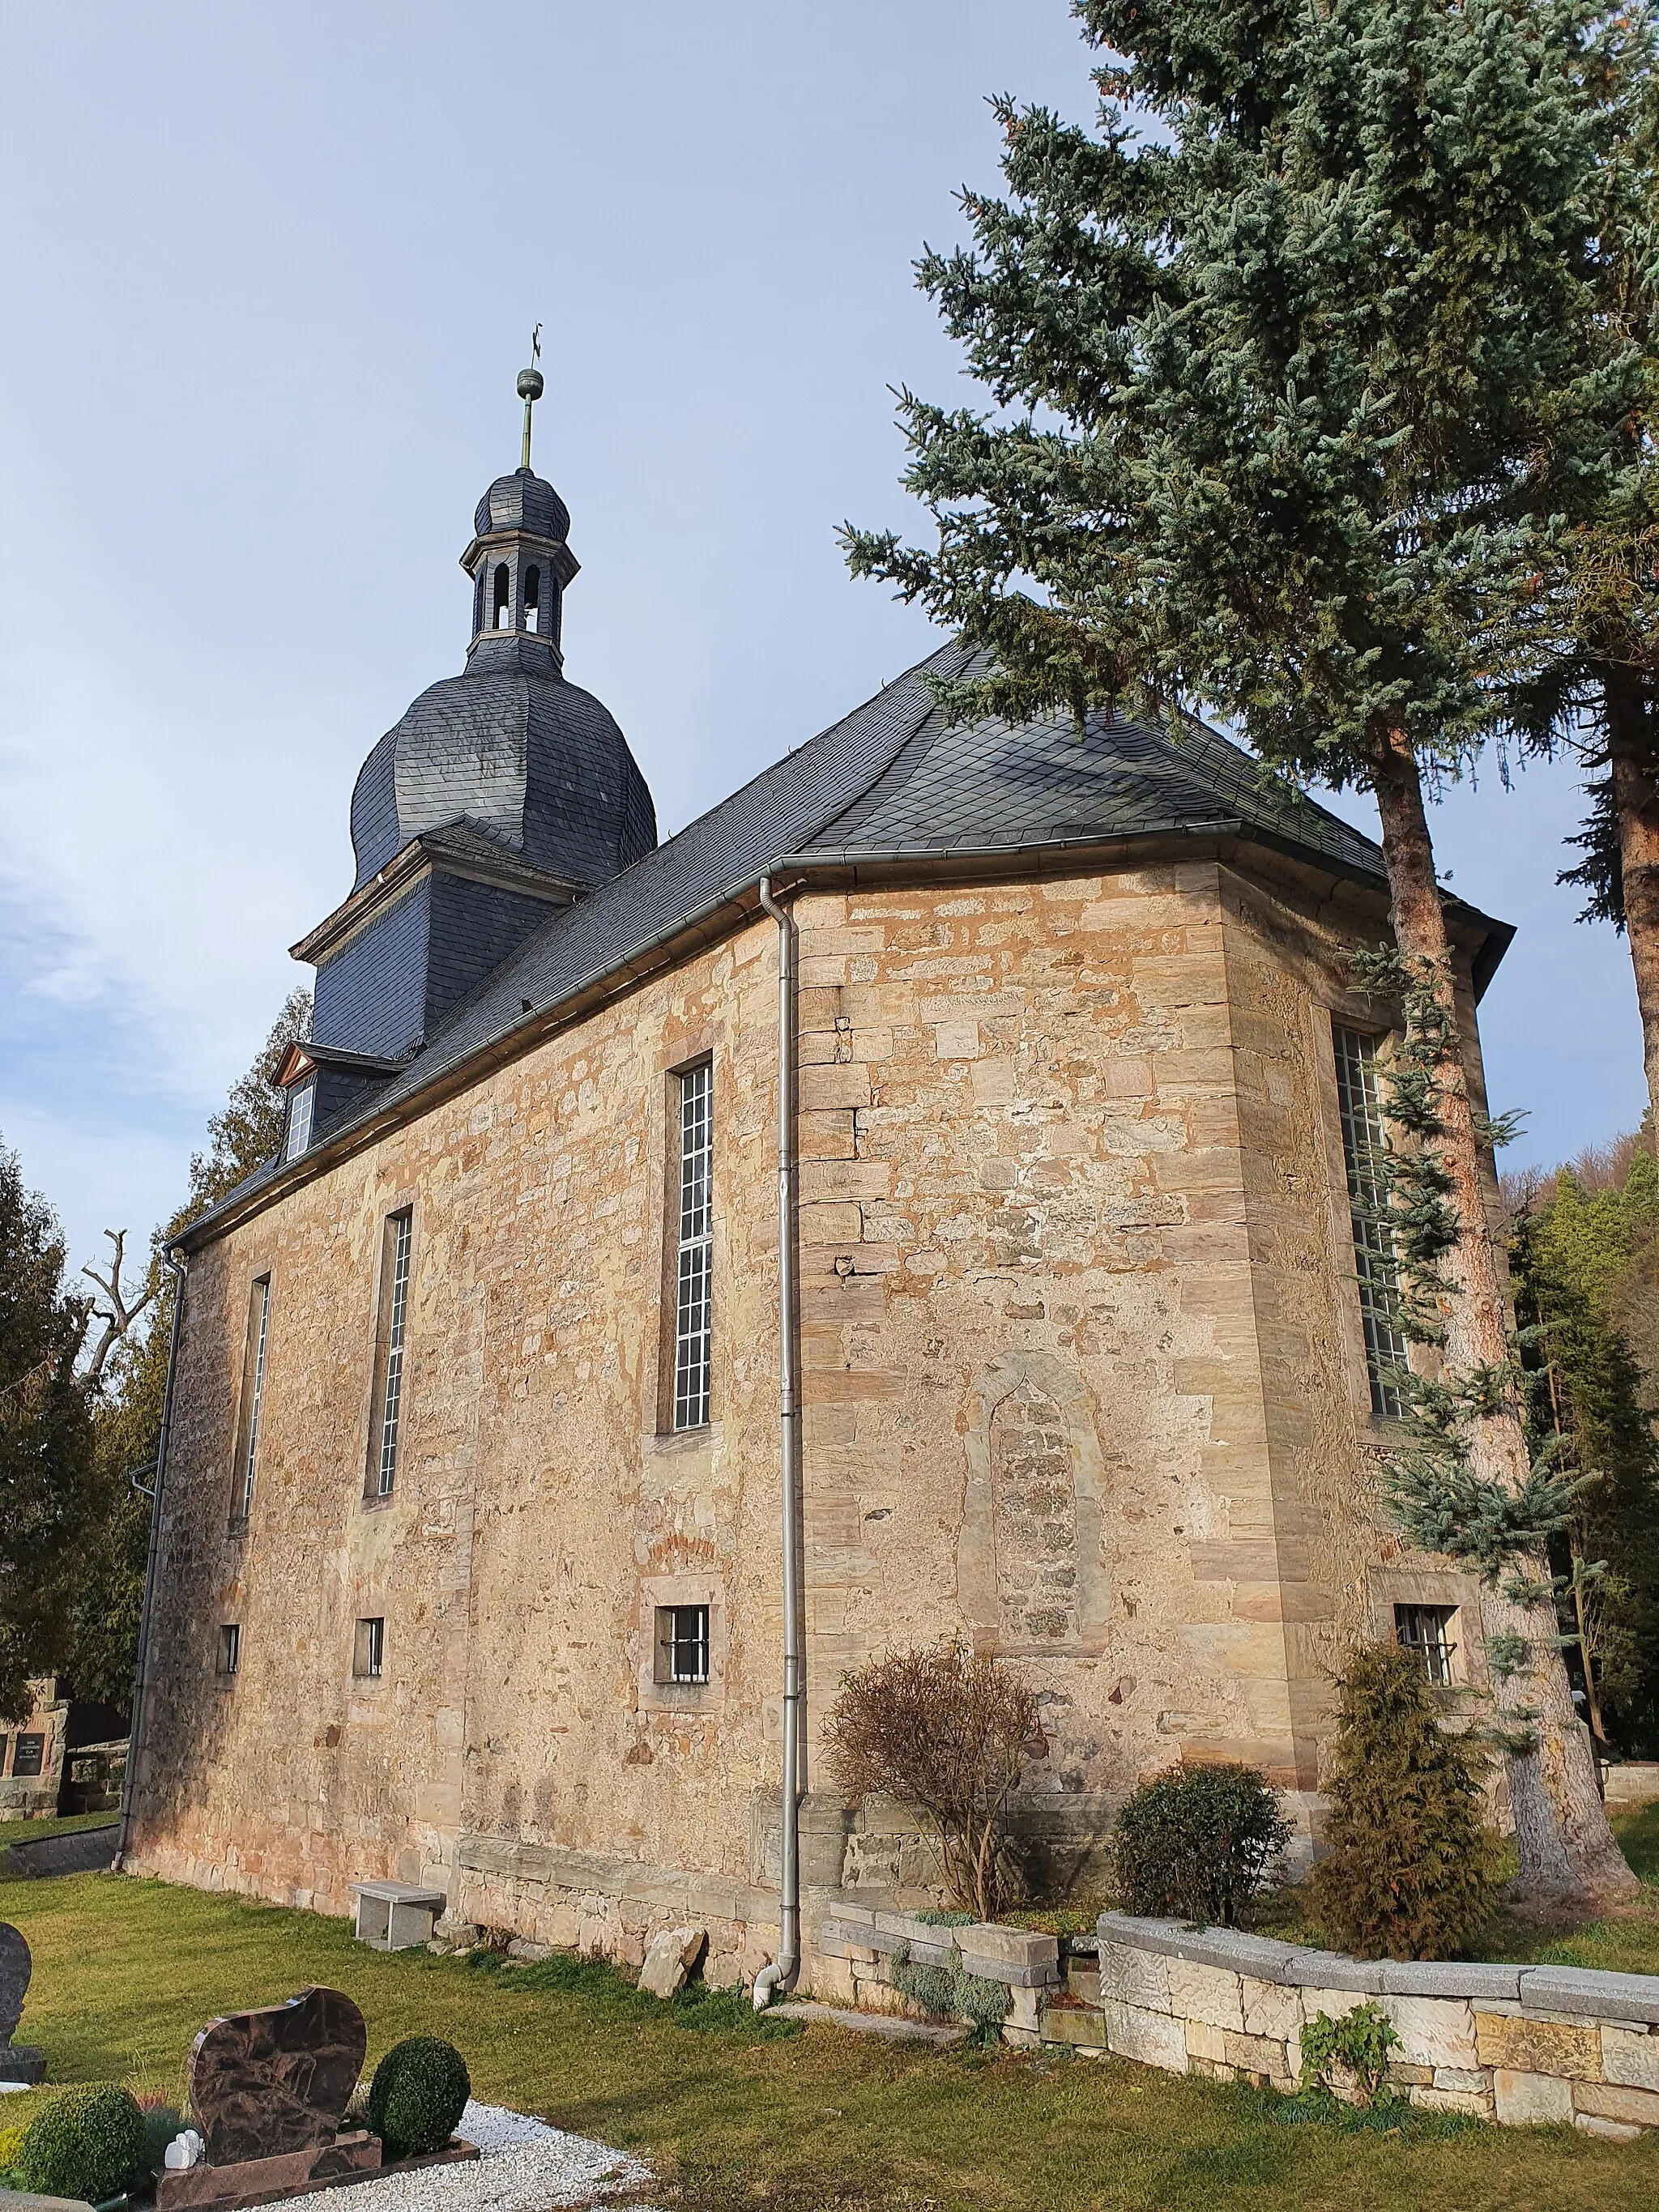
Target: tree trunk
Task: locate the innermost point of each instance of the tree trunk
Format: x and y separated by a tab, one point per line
1635	777
1566	1850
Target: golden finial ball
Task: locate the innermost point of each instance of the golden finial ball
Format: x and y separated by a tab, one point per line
530	383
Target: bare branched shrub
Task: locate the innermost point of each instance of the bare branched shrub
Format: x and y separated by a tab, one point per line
947	1733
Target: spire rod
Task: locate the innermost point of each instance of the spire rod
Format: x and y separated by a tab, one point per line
530	390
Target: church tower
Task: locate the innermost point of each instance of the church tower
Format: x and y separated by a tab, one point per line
504	793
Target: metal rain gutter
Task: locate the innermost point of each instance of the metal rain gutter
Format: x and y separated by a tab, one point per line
783	1974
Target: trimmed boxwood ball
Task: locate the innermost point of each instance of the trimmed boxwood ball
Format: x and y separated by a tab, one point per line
417	2096
88	2143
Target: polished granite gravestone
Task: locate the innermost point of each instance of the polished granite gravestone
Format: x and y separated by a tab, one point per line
18	2062
268	2090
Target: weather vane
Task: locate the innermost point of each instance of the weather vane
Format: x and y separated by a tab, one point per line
531	388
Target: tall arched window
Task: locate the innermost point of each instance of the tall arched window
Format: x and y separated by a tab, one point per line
478	604
503	588
533	598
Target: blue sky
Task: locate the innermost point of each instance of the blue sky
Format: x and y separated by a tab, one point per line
269	276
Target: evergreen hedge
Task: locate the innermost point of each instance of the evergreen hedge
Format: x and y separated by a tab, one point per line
1412	1867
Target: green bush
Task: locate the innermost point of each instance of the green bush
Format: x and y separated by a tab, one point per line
11	2149
88	2143
1411	1870
417	2096
1197	1843
1359	2043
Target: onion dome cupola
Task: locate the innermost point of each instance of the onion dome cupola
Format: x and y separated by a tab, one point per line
503	793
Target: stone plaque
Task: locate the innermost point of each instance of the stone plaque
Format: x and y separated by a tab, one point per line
266	2082
13	1978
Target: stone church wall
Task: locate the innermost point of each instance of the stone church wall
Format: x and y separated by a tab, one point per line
1083	1382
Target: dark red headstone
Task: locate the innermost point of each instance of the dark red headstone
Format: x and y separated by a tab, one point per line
276	2079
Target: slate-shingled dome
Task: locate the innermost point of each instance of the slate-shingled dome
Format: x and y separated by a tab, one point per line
533	762
522	502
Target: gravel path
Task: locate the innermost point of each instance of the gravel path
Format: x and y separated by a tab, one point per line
527	2166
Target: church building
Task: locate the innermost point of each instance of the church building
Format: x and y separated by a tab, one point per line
927	1197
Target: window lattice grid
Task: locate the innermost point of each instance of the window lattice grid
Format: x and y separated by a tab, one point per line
402	1227
1375	1262
299	1119
257	1390
1423	1629
694	1270
688	1644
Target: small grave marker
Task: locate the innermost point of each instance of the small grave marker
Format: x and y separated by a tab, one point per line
18	2062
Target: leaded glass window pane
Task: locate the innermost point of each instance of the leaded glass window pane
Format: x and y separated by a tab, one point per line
399	1230
694	1264
1368	1205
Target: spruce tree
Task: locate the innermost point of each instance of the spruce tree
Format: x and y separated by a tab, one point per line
1267	385
1411	1865
1588	680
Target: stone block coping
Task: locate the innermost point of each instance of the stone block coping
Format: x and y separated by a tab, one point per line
1536	1990
1013	1956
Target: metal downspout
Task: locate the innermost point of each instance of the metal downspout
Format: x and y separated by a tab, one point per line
783	1975
177	1267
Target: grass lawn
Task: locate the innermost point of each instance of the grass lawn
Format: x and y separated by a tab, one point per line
126	1971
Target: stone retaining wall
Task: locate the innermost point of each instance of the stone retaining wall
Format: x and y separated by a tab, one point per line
1518	2045
1515	2044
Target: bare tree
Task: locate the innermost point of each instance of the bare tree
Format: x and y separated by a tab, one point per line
118	1315
947	1732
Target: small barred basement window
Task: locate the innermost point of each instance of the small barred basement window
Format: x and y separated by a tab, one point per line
369	1654
1426	1629
682	1643
30	1755
230	1648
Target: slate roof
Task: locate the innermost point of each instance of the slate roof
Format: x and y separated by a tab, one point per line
891	778
528	759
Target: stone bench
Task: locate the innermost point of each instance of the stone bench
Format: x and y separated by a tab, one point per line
396	1916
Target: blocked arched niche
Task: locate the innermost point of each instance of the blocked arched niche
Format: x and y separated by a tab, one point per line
1030	1574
